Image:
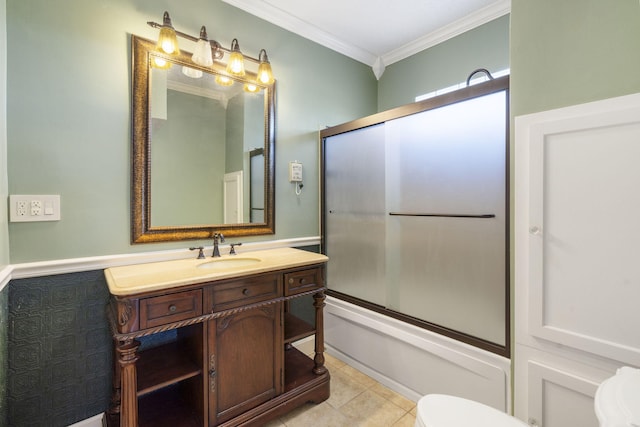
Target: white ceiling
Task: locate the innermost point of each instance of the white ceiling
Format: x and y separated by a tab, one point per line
376	32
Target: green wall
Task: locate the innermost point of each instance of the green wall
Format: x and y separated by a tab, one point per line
4	231
445	64
68	120
572	51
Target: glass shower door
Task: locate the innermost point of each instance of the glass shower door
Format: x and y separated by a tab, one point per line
446	225
355	213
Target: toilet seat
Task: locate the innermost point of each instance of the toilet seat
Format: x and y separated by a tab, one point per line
439	410
617	400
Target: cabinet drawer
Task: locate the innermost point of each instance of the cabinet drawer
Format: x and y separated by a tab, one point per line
170	308
302	281
243	292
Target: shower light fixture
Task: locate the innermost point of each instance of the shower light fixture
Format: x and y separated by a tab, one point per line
207	51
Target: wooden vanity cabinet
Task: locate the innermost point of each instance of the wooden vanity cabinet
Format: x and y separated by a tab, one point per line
228	359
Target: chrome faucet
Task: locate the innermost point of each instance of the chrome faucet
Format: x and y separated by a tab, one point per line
217	238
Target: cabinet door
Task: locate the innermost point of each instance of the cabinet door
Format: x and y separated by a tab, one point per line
245	361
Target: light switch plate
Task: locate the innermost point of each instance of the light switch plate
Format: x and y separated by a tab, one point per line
34	207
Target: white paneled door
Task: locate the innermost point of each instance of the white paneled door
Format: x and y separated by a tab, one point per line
577	230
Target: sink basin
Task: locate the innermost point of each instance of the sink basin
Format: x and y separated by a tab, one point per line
222	264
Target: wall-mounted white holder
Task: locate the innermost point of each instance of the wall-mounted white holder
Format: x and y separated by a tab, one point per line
295	175
31	207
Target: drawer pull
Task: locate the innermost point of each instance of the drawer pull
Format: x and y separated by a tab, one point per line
172	308
245	291
291	280
303	281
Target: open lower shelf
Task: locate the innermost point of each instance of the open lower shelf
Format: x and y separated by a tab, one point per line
164	365
296	328
168	408
298	369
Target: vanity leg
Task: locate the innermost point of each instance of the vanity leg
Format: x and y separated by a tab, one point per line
318	303
127	358
114	407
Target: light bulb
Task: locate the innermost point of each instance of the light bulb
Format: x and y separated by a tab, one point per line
236	60
265	75
167	39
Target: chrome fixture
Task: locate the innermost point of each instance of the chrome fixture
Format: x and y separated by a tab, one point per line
207	51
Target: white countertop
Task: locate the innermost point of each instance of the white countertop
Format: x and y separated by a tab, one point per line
140	278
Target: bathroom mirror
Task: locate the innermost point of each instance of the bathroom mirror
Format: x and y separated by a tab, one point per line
203	151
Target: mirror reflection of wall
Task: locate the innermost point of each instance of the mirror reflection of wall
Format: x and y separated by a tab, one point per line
186	159
198	136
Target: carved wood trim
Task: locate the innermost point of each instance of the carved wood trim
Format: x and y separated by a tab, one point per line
219	314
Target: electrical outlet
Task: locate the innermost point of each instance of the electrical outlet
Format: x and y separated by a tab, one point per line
21	208
30	208
36	207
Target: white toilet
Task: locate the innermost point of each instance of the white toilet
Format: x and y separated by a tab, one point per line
617	404
617	401
439	410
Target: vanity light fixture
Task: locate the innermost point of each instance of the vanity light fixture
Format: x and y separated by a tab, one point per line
265	75
207	51
202	54
235	66
167	40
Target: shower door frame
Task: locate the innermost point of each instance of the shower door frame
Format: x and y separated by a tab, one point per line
487	88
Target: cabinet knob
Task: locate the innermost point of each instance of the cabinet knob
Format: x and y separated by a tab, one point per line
172	308
303	281
291	280
245	291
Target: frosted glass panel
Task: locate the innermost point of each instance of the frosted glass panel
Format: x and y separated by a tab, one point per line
449	270
354	213
415	215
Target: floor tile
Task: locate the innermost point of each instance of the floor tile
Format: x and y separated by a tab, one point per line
343	389
363	379
393	396
356	400
371	409
321	415
333	362
408	420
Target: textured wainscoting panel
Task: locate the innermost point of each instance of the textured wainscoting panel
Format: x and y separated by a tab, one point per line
59	349
4	298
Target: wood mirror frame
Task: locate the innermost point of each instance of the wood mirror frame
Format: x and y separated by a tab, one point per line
142	231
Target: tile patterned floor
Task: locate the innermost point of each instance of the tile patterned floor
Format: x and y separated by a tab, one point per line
356	401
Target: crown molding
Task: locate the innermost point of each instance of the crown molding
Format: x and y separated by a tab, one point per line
282	19
469	22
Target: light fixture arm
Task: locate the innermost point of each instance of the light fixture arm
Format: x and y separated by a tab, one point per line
218	49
